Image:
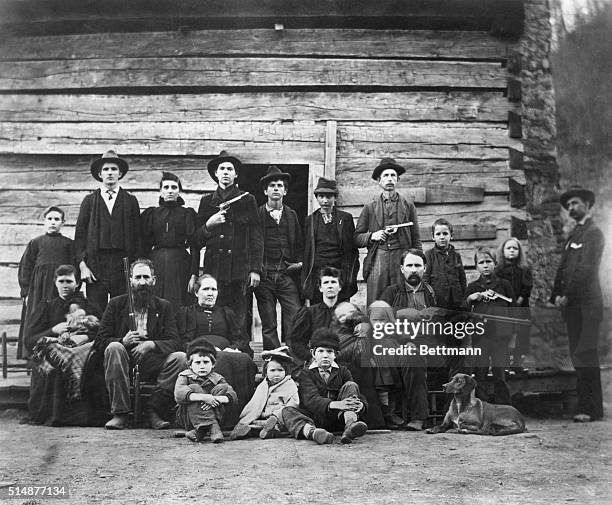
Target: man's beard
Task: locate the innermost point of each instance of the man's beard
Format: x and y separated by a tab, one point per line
142	295
413	280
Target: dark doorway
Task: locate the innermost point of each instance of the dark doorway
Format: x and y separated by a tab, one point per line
297	196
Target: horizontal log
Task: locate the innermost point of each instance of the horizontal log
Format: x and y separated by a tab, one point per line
9	286
427	133
240	72
259	142
363	156
437	193
426	167
401	106
68	16
10	309
495	183
20	235
290	42
26	207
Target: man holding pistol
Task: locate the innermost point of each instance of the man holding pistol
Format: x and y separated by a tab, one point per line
387	226
229	228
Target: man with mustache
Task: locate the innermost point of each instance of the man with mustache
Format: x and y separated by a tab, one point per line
232	236
154	344
384	248
577	293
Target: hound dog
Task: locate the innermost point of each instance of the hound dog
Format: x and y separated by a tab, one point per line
469	415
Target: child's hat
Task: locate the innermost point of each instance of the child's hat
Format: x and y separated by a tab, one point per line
202	346
324	337
280	353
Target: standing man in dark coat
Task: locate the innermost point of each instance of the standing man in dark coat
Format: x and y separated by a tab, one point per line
232	236
282	257
107	230
578	293
384	248
155	345
329	242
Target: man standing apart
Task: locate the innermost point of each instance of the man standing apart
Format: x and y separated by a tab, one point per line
283	249
329	242
385	248
154	344
577	292
107	230
232	236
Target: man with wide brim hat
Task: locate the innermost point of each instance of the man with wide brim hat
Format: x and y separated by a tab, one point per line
282	257
385	245
108	229
586	195
224	157
577	293
229	227
329	242
108	157
387	163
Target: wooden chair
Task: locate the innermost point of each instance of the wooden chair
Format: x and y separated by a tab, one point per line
19	365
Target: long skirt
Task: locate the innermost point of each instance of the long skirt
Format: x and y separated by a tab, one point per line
172	270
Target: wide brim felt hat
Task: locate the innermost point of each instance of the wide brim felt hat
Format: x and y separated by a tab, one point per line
280	353
202	346
385	164
108	157
584	194
274	174
323	337
223	157
326	186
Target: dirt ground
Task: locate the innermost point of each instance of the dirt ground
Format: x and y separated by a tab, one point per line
556	462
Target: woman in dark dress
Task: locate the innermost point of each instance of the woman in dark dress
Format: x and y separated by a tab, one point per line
219	325
63	388
42	256
168	232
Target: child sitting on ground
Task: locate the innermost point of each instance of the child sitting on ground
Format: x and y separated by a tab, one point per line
274	393
201	393
483	297
329	399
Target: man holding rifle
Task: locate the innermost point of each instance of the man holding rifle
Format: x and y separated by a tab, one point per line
140	331
387	226
229	228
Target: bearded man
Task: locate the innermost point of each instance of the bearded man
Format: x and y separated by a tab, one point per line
154	345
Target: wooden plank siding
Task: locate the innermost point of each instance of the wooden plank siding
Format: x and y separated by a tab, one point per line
435	100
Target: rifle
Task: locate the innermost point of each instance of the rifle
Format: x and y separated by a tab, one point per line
128	288
226	205
392	228
448	314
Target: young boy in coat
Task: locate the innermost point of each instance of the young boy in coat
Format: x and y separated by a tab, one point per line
329	398
201	393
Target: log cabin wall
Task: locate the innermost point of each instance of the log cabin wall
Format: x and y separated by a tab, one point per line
334	85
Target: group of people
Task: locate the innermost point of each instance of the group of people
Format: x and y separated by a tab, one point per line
197	352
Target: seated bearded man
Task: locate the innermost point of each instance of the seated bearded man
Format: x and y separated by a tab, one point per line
153	344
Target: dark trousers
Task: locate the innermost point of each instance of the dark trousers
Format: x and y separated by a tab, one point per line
583	333
385	272
276	285
164	369
494	348
191	415
295	418
414	391
110	277
233	295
